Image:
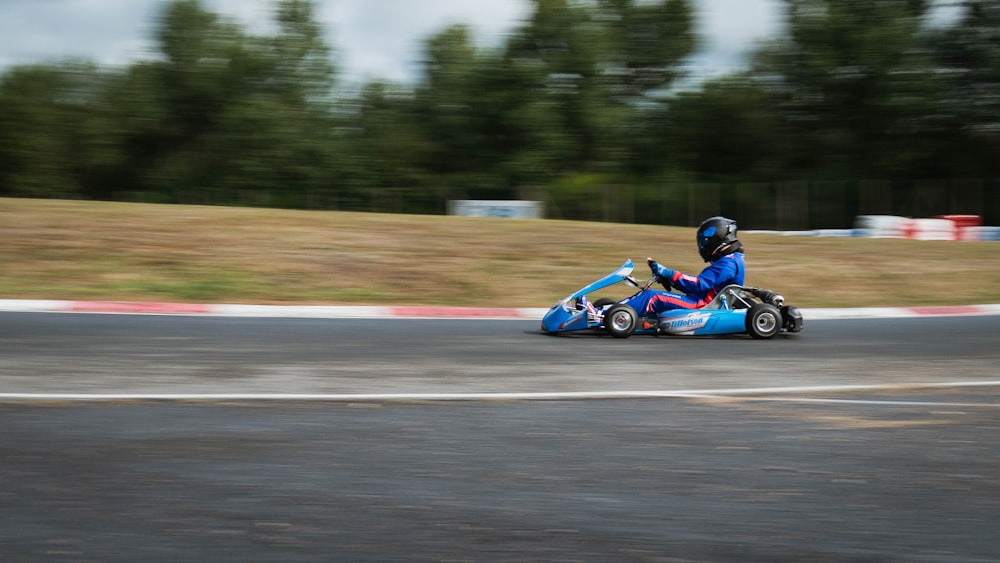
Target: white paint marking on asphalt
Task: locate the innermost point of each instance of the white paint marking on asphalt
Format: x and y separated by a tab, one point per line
742	393
859	402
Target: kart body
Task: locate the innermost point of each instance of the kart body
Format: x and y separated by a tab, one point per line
735	309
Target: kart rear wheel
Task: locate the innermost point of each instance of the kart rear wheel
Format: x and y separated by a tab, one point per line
763	320
620	320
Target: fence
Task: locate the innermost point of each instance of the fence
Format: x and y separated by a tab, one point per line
797	205
792	205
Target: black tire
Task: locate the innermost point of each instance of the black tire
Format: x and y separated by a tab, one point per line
763	320
620	320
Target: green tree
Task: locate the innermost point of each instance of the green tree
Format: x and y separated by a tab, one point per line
604	66
300	60
227	117
446	103
967	120
387	153
727	131
279	135
49	139
488	128
853	84
646	42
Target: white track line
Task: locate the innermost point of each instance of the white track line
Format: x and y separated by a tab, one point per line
863	402
745	393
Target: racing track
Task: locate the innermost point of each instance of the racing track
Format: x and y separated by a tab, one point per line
861	465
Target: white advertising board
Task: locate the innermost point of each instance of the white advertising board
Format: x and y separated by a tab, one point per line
486	208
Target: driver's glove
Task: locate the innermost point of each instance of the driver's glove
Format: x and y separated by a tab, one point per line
655	267
665	274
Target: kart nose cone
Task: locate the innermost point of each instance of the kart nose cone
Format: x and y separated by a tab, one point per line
561	318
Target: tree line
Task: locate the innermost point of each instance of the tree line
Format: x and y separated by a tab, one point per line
586	102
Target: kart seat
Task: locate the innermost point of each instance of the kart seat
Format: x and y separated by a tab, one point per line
731	297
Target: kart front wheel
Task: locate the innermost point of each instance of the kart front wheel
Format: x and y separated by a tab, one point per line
763	320
620	320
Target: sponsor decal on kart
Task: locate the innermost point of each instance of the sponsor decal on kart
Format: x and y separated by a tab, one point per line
690	322
570	322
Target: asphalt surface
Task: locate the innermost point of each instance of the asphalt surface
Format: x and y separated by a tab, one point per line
55	352
903	473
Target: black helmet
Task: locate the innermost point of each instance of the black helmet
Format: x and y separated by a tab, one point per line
716	236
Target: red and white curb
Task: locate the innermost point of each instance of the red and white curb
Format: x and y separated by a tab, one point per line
419	312
291	311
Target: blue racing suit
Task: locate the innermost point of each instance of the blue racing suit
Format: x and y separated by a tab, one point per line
698	290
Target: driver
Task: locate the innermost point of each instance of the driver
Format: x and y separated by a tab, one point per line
718	245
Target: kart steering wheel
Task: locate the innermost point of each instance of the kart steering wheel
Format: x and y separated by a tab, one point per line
656	279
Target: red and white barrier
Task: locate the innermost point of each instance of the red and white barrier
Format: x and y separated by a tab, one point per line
941	227
880	226
969	227
930	229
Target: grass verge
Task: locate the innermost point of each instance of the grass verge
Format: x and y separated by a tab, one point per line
54	249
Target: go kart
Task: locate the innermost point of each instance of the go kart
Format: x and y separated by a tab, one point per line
734	310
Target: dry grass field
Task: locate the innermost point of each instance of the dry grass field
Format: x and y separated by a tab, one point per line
54	249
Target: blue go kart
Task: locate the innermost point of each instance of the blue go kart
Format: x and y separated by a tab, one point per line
734	310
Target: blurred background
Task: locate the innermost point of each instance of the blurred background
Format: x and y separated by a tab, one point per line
789	114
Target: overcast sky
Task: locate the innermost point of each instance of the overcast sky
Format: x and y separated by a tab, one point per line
371	38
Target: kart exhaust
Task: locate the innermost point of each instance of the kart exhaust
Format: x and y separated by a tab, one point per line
769	297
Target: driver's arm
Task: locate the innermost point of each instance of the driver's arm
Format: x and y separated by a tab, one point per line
699	285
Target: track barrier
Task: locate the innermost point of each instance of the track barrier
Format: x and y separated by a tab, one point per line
941	227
